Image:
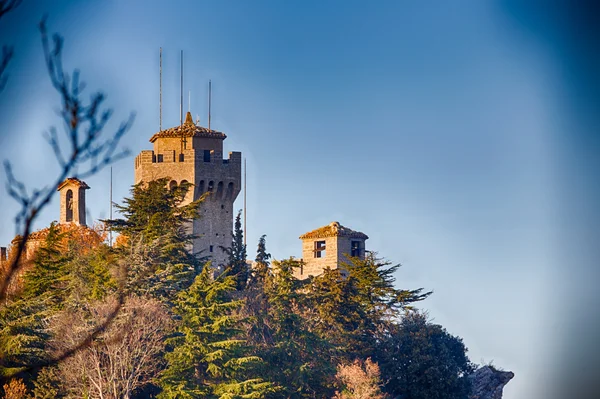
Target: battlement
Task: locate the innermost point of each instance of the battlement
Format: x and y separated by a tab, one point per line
187	156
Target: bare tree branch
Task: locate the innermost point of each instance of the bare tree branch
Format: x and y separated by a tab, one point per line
6	6
84	124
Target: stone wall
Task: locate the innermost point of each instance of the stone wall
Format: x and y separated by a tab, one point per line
221	177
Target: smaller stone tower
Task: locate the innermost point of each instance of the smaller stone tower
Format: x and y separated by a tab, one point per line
328	246
72	201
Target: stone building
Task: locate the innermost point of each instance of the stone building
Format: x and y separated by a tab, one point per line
328	247
194	154
72	201
72	222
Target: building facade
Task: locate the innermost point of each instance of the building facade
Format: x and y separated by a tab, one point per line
194	154
329	247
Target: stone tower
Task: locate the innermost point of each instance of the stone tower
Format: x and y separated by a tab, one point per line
327	247
72	201
194	154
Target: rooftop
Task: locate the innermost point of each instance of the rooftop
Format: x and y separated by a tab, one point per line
72	180
188	129
333	229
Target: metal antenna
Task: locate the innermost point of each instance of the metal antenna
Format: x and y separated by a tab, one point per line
209	101
160	95
189	101
181	106
111	206
181	99
245	209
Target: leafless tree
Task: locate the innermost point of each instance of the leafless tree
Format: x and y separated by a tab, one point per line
82	147
123	358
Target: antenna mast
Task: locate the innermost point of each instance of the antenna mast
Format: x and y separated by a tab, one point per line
160	95
181	109
209	101
111	206
245	186
181	92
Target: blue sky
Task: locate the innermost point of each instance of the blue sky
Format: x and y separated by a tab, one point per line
437	129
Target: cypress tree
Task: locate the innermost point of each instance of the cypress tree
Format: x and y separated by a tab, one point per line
237	265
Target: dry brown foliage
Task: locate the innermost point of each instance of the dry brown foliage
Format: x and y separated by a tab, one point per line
15	389
361	380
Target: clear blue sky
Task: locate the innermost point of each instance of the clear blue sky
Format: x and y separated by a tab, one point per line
443	131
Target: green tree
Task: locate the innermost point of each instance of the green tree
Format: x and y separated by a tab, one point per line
351	307
297	357
421	360
208	359
156	231
262	260
236	253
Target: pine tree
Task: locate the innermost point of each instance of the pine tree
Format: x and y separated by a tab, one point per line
304	368
22	329
208	360
156	227
237	265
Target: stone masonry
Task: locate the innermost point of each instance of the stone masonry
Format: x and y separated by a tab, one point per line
72	201
327	247
194	154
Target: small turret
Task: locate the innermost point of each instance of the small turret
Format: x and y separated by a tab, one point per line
72	201
328	247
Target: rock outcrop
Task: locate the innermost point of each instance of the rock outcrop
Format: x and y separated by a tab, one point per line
488	382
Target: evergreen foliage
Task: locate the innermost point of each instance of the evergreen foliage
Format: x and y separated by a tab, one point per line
208	360
236	254
421	360
303	369
156	228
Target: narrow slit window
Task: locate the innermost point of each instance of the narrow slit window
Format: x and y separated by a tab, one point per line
211	248
206	155
355	249
320	249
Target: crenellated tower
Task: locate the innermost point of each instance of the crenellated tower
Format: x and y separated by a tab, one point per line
194	154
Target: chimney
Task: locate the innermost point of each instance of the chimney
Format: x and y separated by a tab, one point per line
2	254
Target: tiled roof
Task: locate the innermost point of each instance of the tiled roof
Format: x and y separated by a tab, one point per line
334	229
188	129
73	180
62	228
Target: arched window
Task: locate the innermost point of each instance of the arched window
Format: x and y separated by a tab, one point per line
230	190
201	187
184	183
172	185
220	190
69	205
211	185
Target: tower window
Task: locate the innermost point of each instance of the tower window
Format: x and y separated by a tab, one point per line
69	205
320	249
206	155
355	248
211	248
181	157
159	158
